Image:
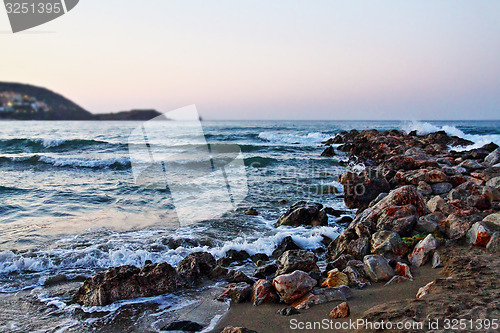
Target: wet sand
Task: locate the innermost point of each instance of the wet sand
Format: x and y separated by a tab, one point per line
264	318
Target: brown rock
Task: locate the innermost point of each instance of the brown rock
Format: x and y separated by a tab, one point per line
403	269
263	292
293	286
304	213
322	295
196	265
335	278
340	311
237	292
231	329
293	260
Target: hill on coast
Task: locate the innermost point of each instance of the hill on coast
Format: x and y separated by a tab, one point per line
26	102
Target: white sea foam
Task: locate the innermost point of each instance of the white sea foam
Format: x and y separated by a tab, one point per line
310	139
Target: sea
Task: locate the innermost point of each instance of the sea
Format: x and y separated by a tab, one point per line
71	206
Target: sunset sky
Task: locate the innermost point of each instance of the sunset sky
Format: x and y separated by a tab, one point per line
268	59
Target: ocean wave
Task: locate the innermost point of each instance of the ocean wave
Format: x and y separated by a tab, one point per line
478	139
313	138
260	161
112	163
46	144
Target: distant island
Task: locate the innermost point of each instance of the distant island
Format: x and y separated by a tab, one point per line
27	102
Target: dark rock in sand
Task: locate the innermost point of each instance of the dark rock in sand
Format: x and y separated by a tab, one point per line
289	311
328	152
286	244
237	292
293	286
196	265
297	260
184	325
266	271
127	282
264	292
304	213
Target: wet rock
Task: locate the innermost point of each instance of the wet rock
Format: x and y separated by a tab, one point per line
493	158
344	244
304	213
425	290
356	275
490	147
441	188
335	278
219	272
286	244
235	276
231	329
403	269
360	190
127	282
297	260
436	176
265	271
436	261
424	188
340	311
328	152
322	295
334	212
293	286
183	325
494	243
259	256
478	234
251	212
263	292
457	226
237	292
344	220
196	265
377	268
237	255
288	311
397	279
387	241
429	223
423	251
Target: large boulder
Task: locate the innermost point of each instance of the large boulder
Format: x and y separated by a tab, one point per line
456	226
127	282
286	244
335	278
304	213
478	234
423	251
493	158
360	190
356	274
377	268
293	286
237	292
263	292
494	243
387	241
322	295
196	266
297	260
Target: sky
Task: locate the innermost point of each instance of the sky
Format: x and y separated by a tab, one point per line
253	59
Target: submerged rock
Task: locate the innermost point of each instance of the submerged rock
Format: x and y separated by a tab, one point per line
183	325
127	282
251	212
304	213
293	286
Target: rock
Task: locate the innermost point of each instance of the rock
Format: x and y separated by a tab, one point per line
334	212
494	243
328	152
436	261
355	272
183	325
196	266
233	256
234	276
424	188
493	158
293	286
494	182
360	190
237	292
231	329
425	290
340	263
377	268
437	204
127	282
322	295
263	292
478	235
403	269
335	278
492	221
344	220
265	271
457	226
286	244
304	213
400	219
387	241
397	279
288	311
251	212
429	223
441	188
436	176
259	256
490	147
423	251
471	165
340	311
293	260
343	244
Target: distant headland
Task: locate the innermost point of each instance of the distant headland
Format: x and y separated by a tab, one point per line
27	102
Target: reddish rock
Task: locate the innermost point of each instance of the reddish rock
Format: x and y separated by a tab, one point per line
425	290
231	329
360	190
387	241
237	292
478	234
403	269
293	286
456	226
423	251
340	311
322	295
335	278
436	176
263	292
